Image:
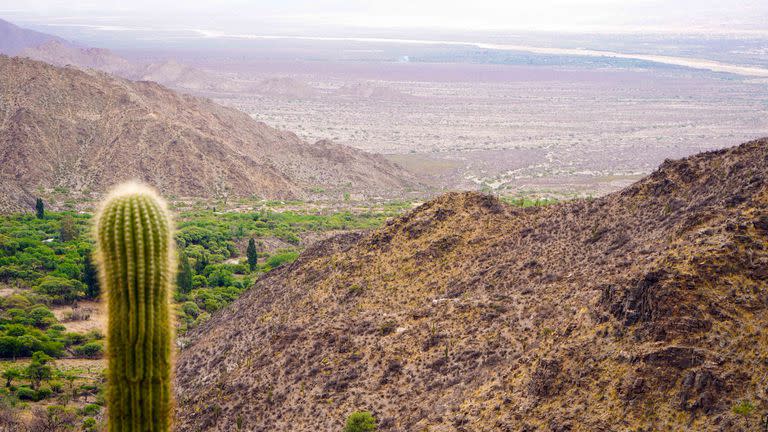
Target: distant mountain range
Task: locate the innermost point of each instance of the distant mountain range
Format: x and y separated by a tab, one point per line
87	131
372	91
59	52
14	39
17	41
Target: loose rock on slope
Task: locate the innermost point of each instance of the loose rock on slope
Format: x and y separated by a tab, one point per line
643	310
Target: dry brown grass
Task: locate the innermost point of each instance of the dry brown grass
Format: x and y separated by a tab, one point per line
96	312
640	310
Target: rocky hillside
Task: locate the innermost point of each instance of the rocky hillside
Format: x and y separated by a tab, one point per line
644	310
87	131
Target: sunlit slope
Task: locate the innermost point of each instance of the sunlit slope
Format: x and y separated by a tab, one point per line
61	127
641	310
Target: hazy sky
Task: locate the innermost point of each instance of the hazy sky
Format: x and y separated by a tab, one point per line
601	15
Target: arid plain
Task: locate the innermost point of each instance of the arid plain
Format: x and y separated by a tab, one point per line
509	128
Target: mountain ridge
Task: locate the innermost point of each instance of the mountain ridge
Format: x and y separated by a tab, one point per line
62	127
14	39
640	310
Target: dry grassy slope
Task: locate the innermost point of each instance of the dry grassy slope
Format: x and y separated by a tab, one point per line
64	127
644	310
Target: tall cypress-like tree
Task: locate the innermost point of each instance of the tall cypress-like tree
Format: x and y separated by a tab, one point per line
40	208
202	262
90	278
68	229
252	255
184	278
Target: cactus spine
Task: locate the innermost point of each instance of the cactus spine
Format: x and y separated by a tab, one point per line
136	269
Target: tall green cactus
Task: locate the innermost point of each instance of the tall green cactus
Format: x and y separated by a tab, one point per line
136	269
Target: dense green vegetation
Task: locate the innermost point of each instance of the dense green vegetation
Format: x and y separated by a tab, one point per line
45	263
42	260
46	267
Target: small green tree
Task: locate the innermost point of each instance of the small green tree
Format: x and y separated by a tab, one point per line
252	254
70	377
68	229
184	278
90	278
39	370
40	208
361	421
11	374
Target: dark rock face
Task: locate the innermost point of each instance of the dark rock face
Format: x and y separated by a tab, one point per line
641	303
678	357
644	310
701	390
543	379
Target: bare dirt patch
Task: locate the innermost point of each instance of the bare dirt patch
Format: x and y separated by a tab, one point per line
97	318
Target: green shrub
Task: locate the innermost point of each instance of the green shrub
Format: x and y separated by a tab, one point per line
281	258
199	281
91	410
17	301
361	421
43	393
60	290
15	330
74	339
56	386
744	408
89	424
221	277
95	334
26	394
41	317
90	350
205	316
190	309
26	345
39	368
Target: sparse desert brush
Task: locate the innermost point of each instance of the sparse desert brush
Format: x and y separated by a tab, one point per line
135	258
744	408
360	421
